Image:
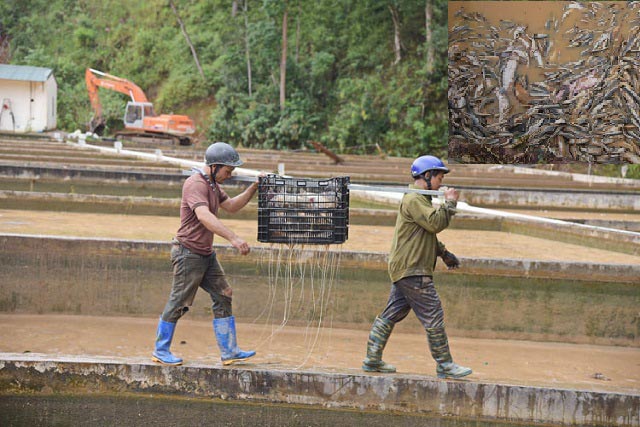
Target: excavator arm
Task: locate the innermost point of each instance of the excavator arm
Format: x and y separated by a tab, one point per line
96	79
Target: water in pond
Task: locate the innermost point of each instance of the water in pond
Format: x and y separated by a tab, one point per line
544	82
19	411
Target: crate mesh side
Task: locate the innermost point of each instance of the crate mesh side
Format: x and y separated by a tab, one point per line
294	210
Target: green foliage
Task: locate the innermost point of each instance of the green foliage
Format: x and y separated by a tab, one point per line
633	172
342	85
613	170
182	86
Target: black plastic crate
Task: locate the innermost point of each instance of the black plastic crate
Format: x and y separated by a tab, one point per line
302	210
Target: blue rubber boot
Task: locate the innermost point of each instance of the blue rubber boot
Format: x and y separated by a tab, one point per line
225	330
163	341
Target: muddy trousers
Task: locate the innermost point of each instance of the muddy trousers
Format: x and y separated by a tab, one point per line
419	294
415	293
190	272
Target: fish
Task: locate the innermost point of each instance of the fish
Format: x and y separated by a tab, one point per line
503	104
509	71
571	6
535	52
602	43
302	200
579	110
625	87
479	90
521	92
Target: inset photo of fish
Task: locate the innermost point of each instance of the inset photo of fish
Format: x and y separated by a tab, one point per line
544	82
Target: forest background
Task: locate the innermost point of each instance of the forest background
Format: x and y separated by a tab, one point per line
357	76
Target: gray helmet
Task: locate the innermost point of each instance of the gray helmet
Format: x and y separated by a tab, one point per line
221	153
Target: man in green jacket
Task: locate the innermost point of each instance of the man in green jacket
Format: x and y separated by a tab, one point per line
413	256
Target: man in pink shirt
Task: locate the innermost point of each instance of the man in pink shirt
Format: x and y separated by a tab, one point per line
194	261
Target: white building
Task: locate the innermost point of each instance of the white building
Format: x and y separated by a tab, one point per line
28	98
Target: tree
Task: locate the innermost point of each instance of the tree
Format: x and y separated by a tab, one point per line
247	47
186	36
396	33
338	86
428	17
283	61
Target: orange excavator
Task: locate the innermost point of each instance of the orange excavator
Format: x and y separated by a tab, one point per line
140	120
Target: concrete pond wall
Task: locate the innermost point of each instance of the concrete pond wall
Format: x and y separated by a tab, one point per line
625	200
397	393
515	299
83	276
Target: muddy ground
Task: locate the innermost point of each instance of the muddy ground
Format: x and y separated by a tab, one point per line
557	365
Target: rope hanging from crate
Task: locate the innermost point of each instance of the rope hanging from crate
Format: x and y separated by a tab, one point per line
298	212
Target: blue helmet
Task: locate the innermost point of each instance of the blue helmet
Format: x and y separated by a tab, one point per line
427	163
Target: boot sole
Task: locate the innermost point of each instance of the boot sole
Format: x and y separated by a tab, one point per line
232	361
155	359
382	371
445	376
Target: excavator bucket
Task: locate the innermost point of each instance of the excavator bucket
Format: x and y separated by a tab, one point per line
97	125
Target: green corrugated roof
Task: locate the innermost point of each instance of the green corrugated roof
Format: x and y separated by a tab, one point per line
24	72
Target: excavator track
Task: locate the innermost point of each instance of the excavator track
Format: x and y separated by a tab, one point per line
153	138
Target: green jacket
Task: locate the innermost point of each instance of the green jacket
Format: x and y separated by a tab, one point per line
415	246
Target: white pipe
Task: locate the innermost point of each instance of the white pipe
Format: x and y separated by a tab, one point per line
156	156
403	190
389	196
465	207
578	177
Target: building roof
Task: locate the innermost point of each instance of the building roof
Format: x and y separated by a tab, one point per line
24	72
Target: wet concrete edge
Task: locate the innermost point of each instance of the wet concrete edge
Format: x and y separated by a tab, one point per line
20	373
626	201
619	273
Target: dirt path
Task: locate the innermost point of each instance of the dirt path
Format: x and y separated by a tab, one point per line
336	350
465	243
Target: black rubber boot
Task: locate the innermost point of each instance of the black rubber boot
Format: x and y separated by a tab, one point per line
378	337
439	346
